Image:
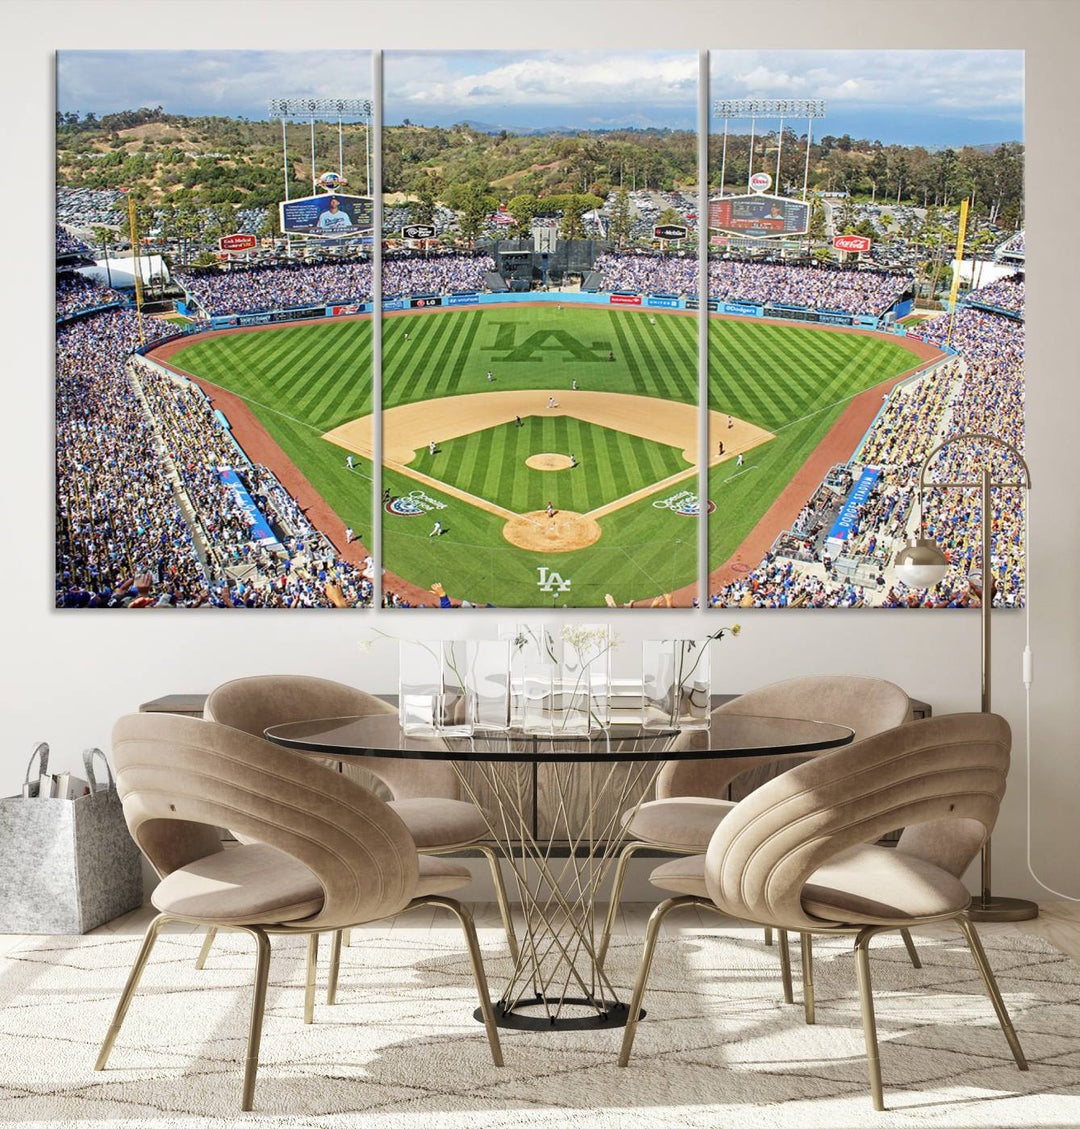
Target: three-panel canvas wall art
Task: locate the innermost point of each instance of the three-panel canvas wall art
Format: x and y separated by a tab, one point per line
470	328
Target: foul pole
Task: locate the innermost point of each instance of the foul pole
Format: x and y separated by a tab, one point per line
135	266
957	264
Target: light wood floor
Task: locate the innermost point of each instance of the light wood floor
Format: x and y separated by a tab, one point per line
1058	923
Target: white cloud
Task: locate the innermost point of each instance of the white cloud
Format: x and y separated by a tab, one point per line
543	78
927	80
226	82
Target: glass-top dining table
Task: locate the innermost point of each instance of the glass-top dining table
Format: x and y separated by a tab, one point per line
594	786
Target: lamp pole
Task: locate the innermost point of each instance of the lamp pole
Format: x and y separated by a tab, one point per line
986	907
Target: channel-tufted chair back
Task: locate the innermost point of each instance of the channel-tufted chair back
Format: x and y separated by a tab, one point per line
867	705
181	777
939	774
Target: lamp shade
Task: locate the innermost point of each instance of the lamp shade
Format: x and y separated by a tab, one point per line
920	563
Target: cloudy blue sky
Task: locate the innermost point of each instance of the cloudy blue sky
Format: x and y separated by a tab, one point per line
913	97
228	83
536	89
904	97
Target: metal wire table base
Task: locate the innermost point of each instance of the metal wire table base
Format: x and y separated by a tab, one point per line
558	982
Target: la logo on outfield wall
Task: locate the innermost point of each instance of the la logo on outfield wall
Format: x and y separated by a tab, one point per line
551	581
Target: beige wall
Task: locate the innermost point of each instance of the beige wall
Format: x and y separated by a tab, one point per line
66	676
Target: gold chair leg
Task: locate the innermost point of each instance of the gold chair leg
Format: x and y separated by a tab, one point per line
866	1003
768	935
258	1008
617	881
494	861
134	976
992	990
651	934
335	966
207	945
912	952
464	915
785	966
346	937
309	991
806	952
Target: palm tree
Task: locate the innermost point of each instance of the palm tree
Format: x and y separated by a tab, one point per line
105	236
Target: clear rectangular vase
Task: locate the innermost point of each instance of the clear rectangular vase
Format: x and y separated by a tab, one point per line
677	683
434	697
555	701
488	681
531	645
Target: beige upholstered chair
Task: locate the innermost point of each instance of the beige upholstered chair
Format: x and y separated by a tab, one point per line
323	852
800	853
691	796
425	793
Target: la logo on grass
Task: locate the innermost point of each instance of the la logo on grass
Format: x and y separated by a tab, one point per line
543	341
551	581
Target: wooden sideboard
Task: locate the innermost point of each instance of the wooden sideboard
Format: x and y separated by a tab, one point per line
543	799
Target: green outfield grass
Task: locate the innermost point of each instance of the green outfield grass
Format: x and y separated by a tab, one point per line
491	464
301	381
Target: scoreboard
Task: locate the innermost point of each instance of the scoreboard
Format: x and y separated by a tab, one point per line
759	215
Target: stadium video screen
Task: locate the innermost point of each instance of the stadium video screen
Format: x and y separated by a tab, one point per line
759	215
328	214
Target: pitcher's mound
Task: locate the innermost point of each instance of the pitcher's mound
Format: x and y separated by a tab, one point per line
548	462
562	533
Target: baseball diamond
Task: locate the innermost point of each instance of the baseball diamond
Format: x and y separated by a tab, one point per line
613	388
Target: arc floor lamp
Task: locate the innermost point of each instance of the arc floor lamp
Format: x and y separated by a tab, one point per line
922	564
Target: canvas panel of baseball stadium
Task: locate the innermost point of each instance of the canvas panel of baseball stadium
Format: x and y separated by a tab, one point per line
866	304
540	400
540	226
213	248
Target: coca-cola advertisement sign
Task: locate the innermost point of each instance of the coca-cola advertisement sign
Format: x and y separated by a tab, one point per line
851	243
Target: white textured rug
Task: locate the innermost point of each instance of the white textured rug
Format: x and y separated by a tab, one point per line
719	1048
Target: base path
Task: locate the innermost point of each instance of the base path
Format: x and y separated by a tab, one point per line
563	532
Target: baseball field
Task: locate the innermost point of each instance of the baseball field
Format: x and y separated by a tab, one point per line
592	410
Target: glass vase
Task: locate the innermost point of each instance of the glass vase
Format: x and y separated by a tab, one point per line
488	680
556	701
531	645
434	697
586	662
677	683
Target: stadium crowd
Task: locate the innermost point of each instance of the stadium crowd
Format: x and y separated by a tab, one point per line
445	273
1005	294
121	536
281	286
68	244
278	286
303	569
731	280
75	292
982	391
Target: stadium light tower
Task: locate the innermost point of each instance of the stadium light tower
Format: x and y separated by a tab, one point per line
323	109
754	108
